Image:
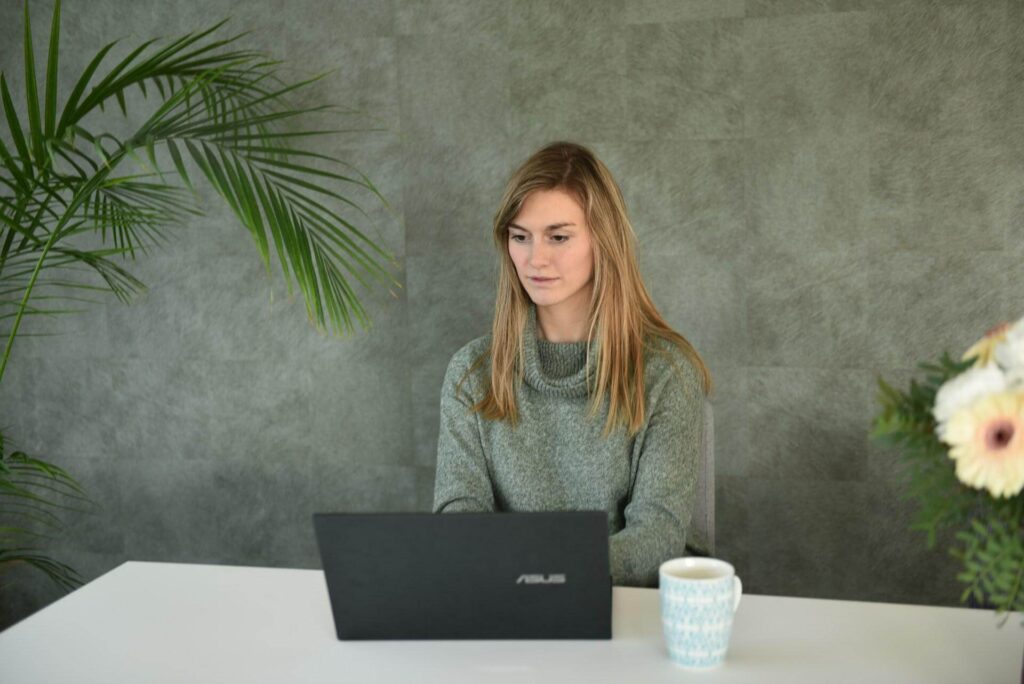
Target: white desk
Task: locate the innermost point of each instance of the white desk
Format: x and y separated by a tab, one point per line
169	622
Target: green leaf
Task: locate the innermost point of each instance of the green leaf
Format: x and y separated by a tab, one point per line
69	116
172	148
14	126
151	155
50	112
979	528
31	93
119	95
255	224
109	84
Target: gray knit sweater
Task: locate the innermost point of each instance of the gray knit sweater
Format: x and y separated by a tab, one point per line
556	459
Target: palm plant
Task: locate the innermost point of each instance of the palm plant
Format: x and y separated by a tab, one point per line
30	491
62	181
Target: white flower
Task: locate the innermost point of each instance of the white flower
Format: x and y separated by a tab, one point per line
1015	378
963	390
1009	353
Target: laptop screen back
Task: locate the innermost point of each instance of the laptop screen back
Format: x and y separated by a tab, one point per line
528	575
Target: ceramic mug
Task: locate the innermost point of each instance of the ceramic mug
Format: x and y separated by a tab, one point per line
698	599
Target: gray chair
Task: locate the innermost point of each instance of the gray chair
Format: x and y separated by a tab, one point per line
701	535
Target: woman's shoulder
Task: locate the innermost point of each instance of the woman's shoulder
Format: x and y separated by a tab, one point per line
468	353
465	358
666	363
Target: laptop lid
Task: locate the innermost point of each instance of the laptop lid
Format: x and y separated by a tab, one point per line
524	575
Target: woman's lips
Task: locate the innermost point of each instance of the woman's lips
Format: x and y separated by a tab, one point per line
542	281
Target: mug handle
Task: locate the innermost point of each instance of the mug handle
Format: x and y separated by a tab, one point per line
737	592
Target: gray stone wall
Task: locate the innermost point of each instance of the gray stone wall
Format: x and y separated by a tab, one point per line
824	192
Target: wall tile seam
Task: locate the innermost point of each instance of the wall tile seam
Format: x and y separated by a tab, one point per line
808	17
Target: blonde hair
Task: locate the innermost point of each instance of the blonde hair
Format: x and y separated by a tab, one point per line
622	314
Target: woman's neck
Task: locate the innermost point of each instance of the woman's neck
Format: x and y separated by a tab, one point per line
562	324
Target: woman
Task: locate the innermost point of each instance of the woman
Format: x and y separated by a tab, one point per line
582	397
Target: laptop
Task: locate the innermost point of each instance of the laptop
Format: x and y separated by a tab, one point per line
509	575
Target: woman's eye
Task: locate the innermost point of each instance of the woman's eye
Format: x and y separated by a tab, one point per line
521	238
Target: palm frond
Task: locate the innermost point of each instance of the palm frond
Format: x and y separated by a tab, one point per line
215	105
32	493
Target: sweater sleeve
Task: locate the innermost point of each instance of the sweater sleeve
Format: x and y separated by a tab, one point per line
658	511
462	480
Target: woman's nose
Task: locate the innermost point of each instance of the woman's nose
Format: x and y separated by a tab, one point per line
538	255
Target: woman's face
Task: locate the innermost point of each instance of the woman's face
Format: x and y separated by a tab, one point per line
549	242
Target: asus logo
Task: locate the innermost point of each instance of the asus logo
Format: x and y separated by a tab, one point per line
541	579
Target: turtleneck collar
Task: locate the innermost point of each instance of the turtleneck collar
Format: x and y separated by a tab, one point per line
556	368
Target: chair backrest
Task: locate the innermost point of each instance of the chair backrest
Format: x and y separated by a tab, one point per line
701	536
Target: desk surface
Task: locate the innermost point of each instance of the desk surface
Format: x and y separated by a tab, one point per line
170	622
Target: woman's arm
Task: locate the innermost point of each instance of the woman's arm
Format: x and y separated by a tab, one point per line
658	512
462	480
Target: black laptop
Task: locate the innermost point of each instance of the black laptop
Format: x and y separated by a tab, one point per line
537	575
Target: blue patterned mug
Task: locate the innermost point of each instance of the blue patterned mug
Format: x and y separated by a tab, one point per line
698	599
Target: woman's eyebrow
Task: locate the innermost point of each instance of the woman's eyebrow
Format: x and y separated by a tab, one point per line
553	226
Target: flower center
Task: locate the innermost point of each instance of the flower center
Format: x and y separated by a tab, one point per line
999	434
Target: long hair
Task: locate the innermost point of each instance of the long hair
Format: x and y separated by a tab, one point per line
622	315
